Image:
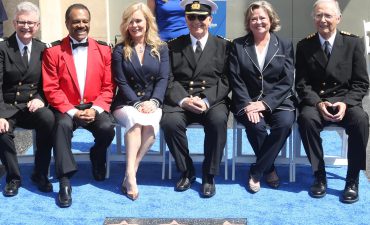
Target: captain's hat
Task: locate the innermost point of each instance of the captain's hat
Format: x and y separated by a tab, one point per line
199	7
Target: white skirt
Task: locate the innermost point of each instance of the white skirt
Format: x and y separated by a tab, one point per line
128	116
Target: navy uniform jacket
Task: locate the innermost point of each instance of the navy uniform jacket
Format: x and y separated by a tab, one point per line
271	84
137	82
207	79
18	83
343	78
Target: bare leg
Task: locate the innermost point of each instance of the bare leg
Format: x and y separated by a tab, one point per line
132	143
147	140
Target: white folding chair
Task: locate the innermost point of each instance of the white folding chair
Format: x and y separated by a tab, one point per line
196	157
367	44
285	156
337	160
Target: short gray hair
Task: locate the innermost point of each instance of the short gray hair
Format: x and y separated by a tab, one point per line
336	4
27	7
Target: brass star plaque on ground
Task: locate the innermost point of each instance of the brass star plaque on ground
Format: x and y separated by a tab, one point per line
174	221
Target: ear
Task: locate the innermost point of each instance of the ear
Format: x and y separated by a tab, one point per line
14	24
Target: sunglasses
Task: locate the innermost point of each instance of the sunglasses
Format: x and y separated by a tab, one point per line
200	17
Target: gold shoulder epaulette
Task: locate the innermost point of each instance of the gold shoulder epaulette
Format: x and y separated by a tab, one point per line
54	43
172	39
219	36
311	36
104	43
348	34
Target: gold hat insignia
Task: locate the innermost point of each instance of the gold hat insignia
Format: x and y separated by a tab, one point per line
195	5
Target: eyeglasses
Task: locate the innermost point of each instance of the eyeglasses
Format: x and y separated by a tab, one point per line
200	17
323	15
29	23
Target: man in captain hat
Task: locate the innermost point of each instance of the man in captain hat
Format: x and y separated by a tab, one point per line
197	93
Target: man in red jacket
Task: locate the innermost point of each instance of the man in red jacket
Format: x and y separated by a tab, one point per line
77	84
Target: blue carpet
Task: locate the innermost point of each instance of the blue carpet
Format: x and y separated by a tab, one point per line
94	201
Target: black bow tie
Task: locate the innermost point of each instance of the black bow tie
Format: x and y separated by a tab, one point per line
85	44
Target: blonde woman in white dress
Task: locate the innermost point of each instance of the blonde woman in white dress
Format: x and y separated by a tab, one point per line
140	68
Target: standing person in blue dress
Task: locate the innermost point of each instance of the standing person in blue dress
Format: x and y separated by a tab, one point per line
261	77
170	18
140	67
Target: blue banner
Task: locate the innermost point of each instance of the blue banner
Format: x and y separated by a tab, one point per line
218	26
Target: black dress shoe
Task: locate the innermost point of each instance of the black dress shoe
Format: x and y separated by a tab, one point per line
318	188
272	179
208	188
350	192
11	188
42	182
184	183
98	168
65	197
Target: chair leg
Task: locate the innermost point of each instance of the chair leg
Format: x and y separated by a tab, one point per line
226	159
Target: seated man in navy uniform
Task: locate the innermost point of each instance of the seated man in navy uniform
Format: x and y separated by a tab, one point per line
197	93
331	81
22	102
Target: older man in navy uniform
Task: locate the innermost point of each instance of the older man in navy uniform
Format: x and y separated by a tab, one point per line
22	102
197	93
331	81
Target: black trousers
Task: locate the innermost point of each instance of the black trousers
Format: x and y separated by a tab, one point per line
266	146
356	124
102	129
214	121
42	120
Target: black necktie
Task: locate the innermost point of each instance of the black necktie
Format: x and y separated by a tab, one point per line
198	51
85	44
25	56
327	49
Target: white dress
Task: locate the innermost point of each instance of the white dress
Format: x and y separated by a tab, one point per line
128	116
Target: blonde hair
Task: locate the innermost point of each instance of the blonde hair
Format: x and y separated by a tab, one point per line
151	35
274	18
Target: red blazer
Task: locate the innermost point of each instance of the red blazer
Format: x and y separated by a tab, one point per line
60	78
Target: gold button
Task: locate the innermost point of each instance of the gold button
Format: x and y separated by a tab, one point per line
334	92
31	85
138	94
335	83
31	95
323	84
142	93
20	83
191	83
260	77
203	82
190	89
203	88
152	77
18	93
321	92
15	103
